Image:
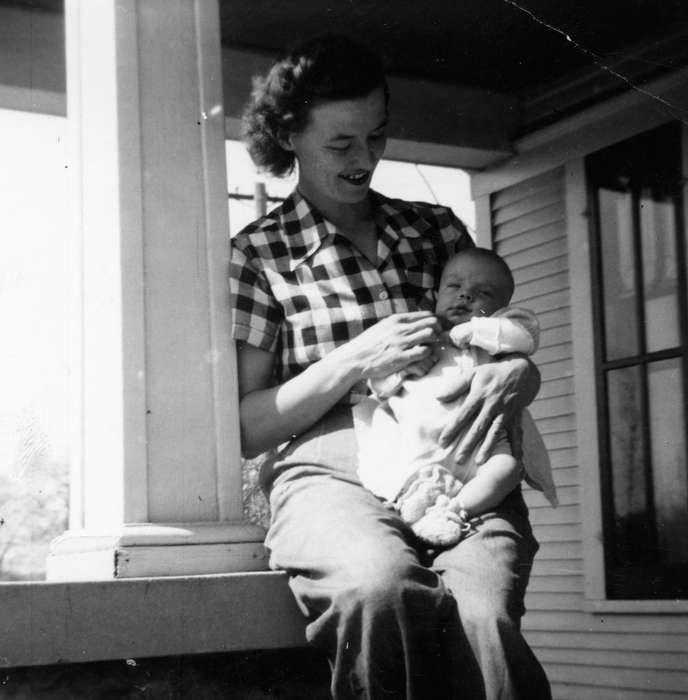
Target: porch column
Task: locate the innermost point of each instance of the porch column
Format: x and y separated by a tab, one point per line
156	485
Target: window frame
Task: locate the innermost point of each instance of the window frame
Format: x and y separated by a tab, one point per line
577	222
631	585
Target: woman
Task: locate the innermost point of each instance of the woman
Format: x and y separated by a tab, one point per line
329	291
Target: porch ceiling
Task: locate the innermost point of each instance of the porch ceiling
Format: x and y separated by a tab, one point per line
525	49
468	77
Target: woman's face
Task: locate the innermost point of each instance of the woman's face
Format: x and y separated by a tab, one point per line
340	148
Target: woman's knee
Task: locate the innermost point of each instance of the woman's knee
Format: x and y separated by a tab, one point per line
487	616
389	583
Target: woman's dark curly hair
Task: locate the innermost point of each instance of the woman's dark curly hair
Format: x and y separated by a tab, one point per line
330	67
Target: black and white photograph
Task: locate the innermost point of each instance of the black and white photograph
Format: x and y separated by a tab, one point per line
344	350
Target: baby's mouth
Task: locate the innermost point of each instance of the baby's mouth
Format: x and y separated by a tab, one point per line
357	178
460	310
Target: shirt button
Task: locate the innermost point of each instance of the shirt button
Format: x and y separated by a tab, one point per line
383	295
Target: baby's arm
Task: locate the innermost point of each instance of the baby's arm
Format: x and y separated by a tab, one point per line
493	482
384	387
509	330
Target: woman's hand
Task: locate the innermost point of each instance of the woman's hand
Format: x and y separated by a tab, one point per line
496	393
396	343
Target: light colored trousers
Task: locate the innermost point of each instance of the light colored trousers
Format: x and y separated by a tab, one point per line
398	621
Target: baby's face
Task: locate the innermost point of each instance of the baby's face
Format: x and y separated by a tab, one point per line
471	287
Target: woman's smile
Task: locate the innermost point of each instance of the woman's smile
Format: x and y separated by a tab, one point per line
358	178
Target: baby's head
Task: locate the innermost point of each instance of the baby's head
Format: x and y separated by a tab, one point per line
475	282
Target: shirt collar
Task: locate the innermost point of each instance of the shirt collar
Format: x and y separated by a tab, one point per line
306	228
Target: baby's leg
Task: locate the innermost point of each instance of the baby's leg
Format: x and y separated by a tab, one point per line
493	482
423	489
424	505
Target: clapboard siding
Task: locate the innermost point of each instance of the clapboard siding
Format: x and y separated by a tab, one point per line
572	691
555	386
607	641
587	656
540	270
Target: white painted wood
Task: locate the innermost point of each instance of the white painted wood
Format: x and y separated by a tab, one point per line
156	403
556	567
222	359
47	623
584	378
543	218
483	222
546	284
555	248
619	678
603	641
559	386
167	560
581	691
541	269
661	607
556	318
550	195
554	601
524	189
445	154
562	514
553	584
554	353
589	131
106	362
592	623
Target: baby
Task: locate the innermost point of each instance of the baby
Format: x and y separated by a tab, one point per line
398	429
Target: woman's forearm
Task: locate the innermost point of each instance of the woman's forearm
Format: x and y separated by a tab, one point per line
270	416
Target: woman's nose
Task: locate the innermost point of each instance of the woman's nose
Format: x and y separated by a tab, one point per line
364	156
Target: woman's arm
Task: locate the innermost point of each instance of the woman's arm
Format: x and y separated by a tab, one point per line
496	392
271	414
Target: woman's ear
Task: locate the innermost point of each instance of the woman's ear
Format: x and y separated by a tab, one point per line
285	140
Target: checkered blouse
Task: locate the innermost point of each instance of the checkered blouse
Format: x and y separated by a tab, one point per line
300	289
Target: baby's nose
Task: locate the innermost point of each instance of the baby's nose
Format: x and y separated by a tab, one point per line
465	295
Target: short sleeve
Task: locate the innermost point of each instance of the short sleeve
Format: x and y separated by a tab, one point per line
456	234
453	232
256	315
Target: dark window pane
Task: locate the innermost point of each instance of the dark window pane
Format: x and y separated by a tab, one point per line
668	450
633	532
618	270
658	236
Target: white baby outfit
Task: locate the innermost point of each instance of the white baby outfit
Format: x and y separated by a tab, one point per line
397	428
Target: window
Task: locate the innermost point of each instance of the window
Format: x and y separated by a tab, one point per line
638	260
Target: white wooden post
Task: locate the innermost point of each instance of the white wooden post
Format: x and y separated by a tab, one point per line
156	487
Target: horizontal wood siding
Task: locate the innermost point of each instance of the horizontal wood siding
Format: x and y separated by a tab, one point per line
587	656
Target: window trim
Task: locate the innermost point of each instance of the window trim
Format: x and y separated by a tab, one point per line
641	359
579	241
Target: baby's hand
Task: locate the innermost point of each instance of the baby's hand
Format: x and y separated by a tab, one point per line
420	368
461	334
